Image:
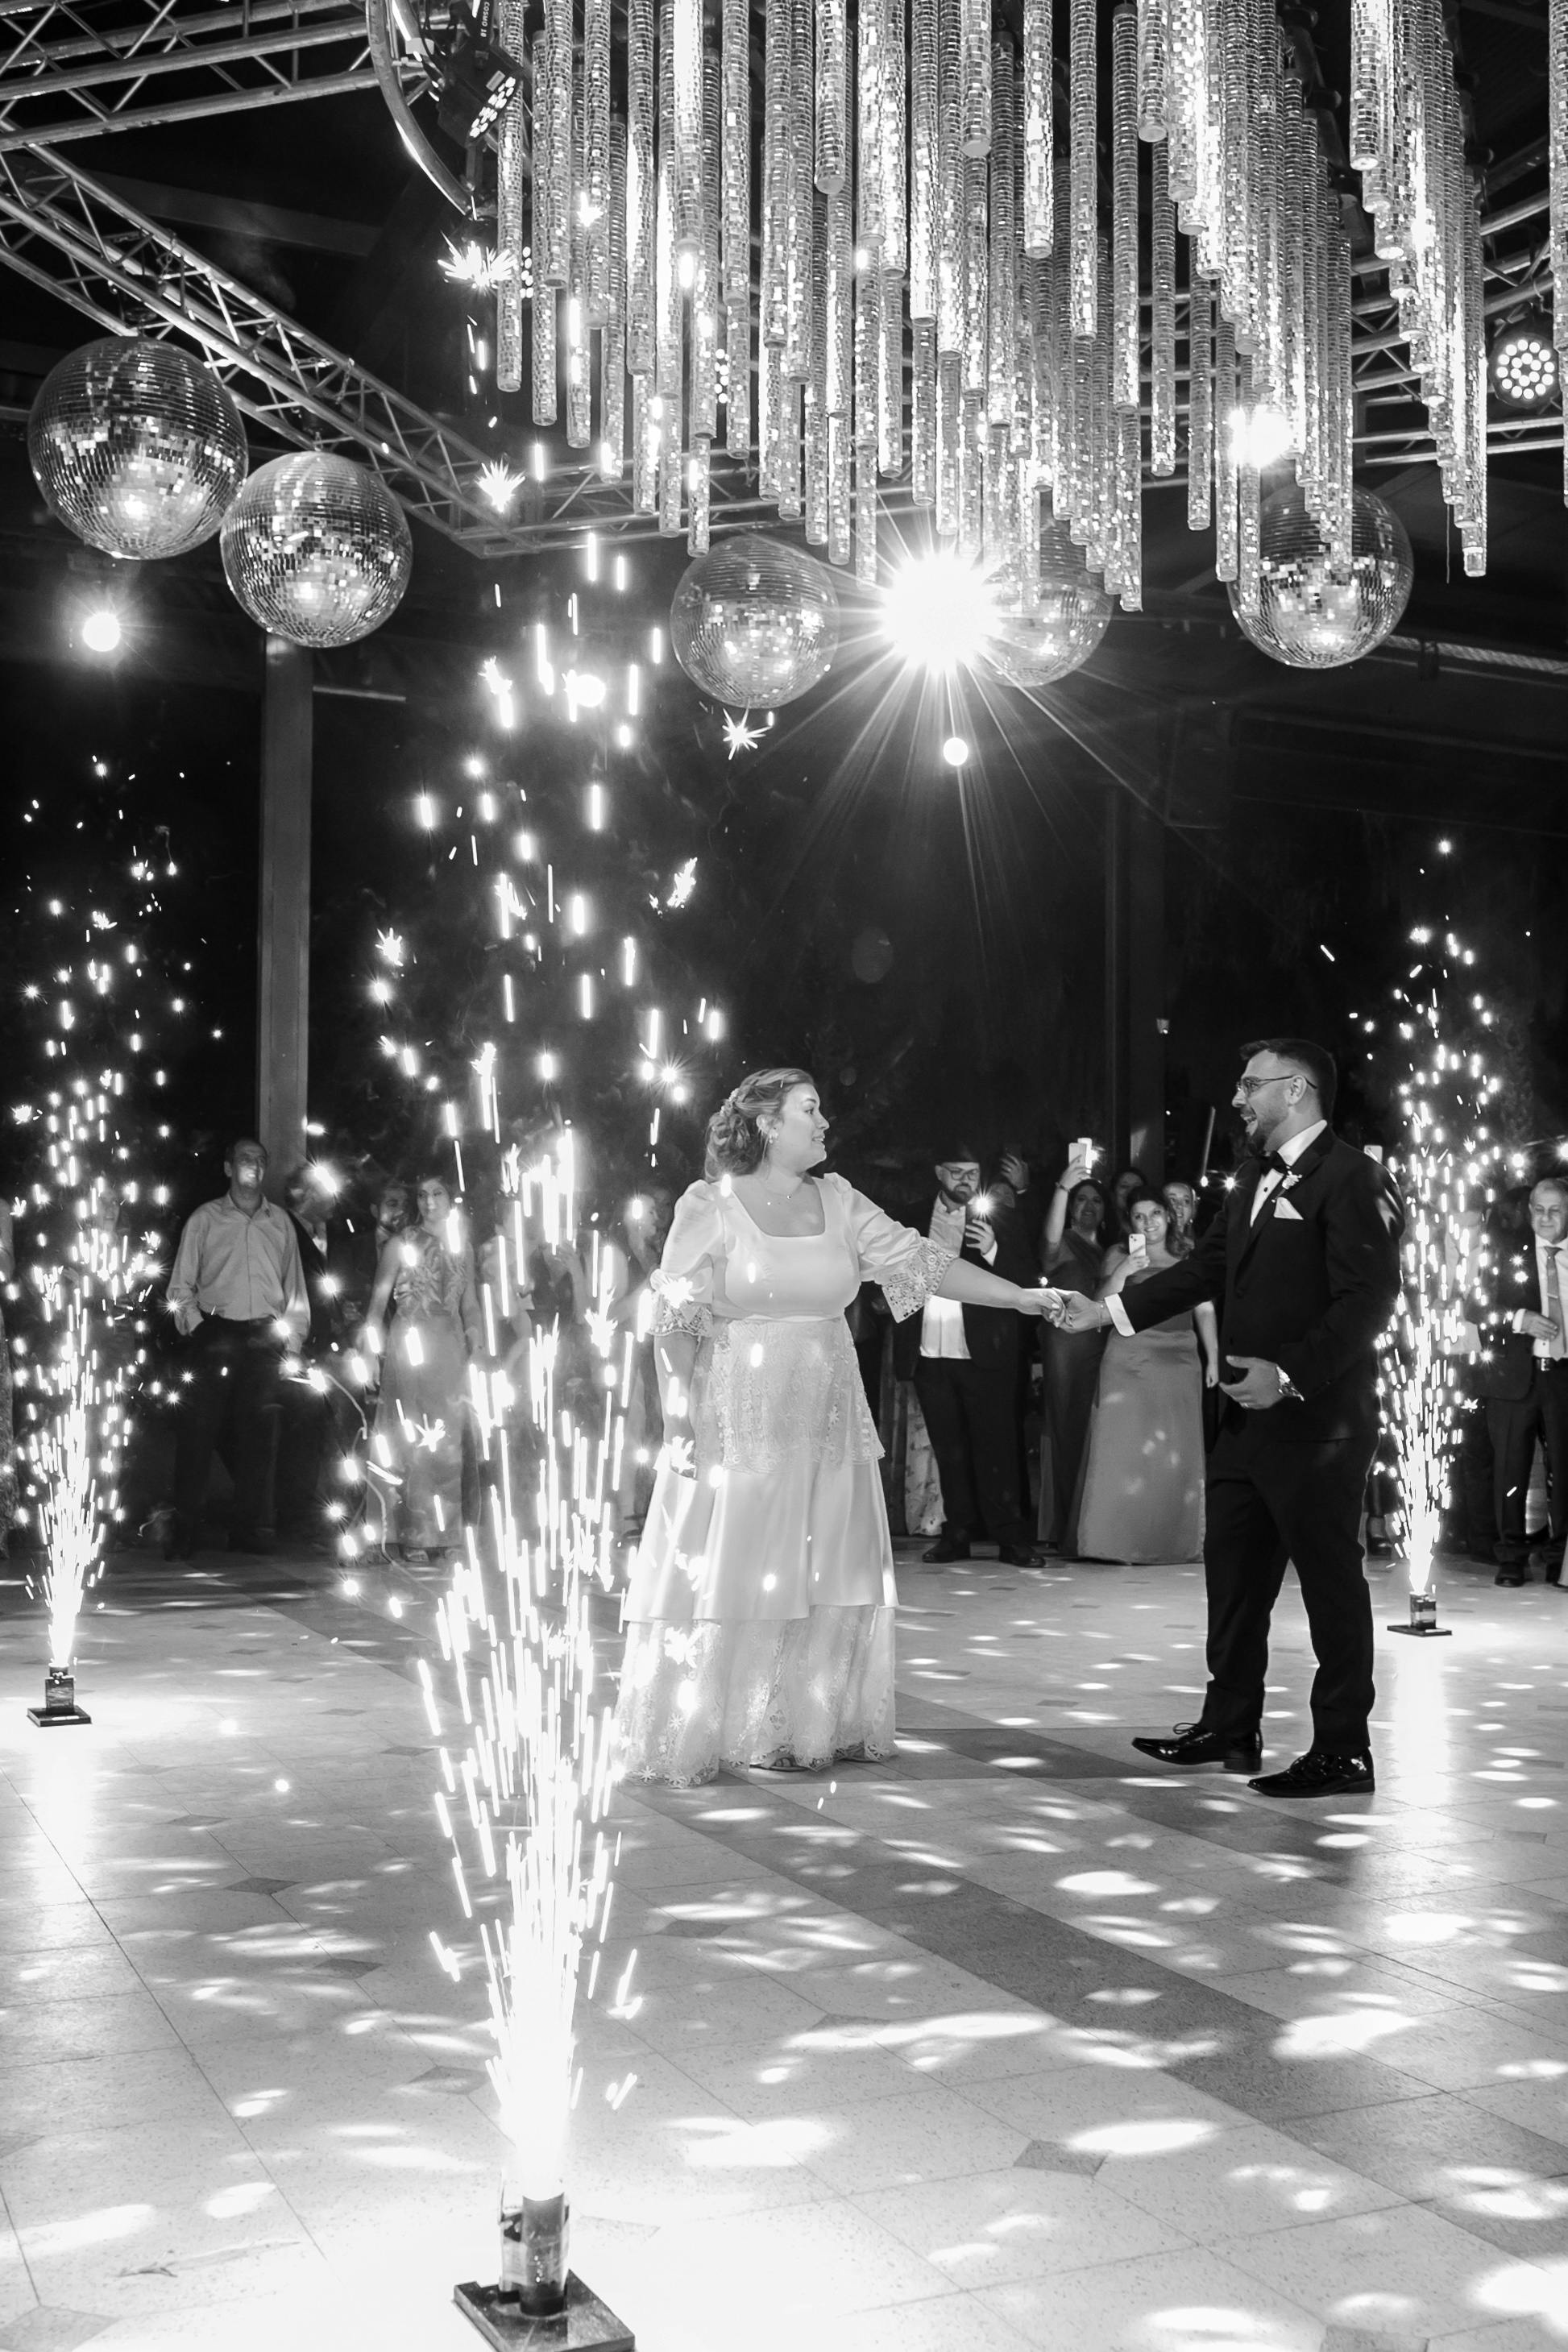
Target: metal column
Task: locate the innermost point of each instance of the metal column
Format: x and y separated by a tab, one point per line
284	989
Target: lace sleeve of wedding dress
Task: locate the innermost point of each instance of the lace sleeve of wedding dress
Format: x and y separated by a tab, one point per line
683	1286
906	1265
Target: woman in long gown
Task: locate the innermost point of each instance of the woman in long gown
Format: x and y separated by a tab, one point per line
1071	1257
760	1613
426	1275
1141	1496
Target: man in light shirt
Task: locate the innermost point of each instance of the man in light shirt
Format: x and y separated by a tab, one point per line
965	1372
237	1293
1526	1338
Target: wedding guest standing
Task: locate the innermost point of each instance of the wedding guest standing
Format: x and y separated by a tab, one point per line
963	1360
1182	1204
1525	1336
760	1613
426	1277
7	1432
237	1292
1071	1257
1141	1493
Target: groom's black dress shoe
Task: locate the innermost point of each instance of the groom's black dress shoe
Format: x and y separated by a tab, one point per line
945	1549
1319	1774
1237	1752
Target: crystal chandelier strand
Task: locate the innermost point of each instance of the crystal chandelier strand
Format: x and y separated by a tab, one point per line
790	447
778	129
840	515
558	78
687	90
1249	548
922	413
1082	165
1039	128
976	273
868	370
815	520
866	515
832	114
595	158
706	298
949	425
972	480
1225	519
735	66
645	447
612	342
1153	34
641	177
1001	322
697	486
579	356
769	421
890	445
838	303
951	184
542	320
1124	307
870	130
1200	409
511	178
1130	505
893	204
1162	315
924	158
974	71
799	186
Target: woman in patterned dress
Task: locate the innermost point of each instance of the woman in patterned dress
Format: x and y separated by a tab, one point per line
426	1276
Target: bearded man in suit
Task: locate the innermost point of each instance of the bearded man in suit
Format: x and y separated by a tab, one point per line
1304	1268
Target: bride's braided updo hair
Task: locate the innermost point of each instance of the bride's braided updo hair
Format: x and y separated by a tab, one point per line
735	1140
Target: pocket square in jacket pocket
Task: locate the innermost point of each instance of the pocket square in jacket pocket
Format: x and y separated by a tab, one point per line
1284	1214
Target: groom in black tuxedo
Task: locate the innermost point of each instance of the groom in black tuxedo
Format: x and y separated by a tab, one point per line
1305	1269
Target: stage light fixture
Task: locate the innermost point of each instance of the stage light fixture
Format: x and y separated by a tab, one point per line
101	631
1524	364
937	611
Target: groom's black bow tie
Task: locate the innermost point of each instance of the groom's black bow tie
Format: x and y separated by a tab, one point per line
1278	1161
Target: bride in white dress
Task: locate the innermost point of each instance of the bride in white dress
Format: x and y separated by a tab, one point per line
760	1613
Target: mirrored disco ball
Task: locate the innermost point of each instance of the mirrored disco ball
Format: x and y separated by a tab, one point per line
1316	615
317	549
754	623
136	446
1032	641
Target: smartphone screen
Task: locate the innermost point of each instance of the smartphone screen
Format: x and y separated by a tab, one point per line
1137	1246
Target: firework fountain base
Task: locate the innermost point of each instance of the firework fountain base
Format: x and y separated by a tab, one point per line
583	2325
60	1705
1424	1622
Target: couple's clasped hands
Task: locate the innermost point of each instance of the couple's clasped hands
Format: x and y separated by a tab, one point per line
1068	1310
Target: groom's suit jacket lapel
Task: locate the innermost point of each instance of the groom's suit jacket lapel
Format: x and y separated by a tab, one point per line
1251	1226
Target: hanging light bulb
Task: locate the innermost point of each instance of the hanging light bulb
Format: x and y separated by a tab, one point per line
1524	364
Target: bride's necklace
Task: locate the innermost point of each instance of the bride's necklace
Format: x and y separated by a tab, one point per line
773	1191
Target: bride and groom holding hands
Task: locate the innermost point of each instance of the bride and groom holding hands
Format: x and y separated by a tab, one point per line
759	1616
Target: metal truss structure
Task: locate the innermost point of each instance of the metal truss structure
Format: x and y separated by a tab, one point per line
78	68
72	237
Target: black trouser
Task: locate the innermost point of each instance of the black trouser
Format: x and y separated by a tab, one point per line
968	1415
1515	1427
235	1369
1269	1503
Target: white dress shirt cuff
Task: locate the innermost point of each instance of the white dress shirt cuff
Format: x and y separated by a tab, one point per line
1118	1313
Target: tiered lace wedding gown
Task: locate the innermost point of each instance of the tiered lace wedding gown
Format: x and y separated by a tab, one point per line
759	1617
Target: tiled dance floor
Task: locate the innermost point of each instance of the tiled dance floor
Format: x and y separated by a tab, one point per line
1008	2045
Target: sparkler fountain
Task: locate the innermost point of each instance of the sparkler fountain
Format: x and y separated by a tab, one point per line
1446	1097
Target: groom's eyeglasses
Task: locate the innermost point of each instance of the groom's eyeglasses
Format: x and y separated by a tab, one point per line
1250	1087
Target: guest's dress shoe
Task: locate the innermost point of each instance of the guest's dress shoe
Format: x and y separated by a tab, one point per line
947	1548
1192	1743
1321	1774
1549	1560
1510	1574
1019	1556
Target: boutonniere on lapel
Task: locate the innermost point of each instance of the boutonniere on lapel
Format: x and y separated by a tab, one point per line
1291	1178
